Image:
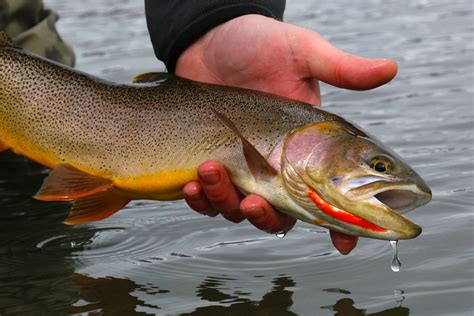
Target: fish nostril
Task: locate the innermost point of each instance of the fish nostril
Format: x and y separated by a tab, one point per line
337	180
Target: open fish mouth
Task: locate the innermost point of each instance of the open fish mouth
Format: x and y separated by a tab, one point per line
398	200
381	204
388	199
400	197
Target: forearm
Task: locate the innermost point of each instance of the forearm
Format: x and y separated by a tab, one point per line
174	25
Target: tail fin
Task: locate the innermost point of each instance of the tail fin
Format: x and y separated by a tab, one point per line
5	40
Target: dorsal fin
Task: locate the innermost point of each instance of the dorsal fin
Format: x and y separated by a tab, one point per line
5	40
257	164
152	77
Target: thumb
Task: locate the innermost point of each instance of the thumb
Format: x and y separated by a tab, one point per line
322	61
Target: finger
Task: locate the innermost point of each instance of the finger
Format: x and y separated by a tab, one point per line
194	196
263	216
219	190
344	243
320	60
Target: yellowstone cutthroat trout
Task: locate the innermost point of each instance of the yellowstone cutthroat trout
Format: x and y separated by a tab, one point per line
109	143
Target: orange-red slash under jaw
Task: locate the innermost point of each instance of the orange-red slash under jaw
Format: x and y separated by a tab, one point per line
342	215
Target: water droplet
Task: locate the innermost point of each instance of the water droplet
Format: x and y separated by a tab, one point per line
280	235
396	264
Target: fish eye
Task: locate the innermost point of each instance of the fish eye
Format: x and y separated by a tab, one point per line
381	164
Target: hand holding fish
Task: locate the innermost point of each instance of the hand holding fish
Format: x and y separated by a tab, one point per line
264	54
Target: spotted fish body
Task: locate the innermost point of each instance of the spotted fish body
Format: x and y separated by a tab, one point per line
146	138
110	143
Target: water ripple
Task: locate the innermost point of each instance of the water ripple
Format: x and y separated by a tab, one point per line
173	241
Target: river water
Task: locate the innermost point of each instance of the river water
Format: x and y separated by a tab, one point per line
162	258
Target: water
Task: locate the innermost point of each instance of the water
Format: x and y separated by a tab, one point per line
161	258
396	265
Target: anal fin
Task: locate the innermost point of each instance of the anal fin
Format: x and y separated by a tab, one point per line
66	183
96	207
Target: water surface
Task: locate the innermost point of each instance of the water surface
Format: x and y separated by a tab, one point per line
162	258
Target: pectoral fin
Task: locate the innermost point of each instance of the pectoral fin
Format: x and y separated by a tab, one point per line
257	164
96	207
152	77
66	183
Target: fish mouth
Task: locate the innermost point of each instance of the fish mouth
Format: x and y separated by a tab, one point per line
400	201
373	208
386	201
399	196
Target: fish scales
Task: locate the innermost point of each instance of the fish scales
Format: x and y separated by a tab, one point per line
122	132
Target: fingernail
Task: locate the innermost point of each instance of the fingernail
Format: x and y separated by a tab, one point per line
381	63
256	212
194	196
344	252
211	177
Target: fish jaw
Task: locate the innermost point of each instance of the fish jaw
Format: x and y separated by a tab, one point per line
369	218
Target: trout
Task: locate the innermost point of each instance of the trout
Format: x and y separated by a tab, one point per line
109	143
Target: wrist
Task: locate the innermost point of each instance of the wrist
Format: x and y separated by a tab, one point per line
172	34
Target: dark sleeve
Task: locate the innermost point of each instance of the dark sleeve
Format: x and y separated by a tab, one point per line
176	24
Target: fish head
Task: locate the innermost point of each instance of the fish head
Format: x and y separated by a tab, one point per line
350	182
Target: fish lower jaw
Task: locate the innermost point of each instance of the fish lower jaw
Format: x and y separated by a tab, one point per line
393	227
342	215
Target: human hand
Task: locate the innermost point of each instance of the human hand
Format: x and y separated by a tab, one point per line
263	54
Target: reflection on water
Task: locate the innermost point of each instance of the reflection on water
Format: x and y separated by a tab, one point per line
345	307
31	280
160	258
109	296
100	295
276	302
